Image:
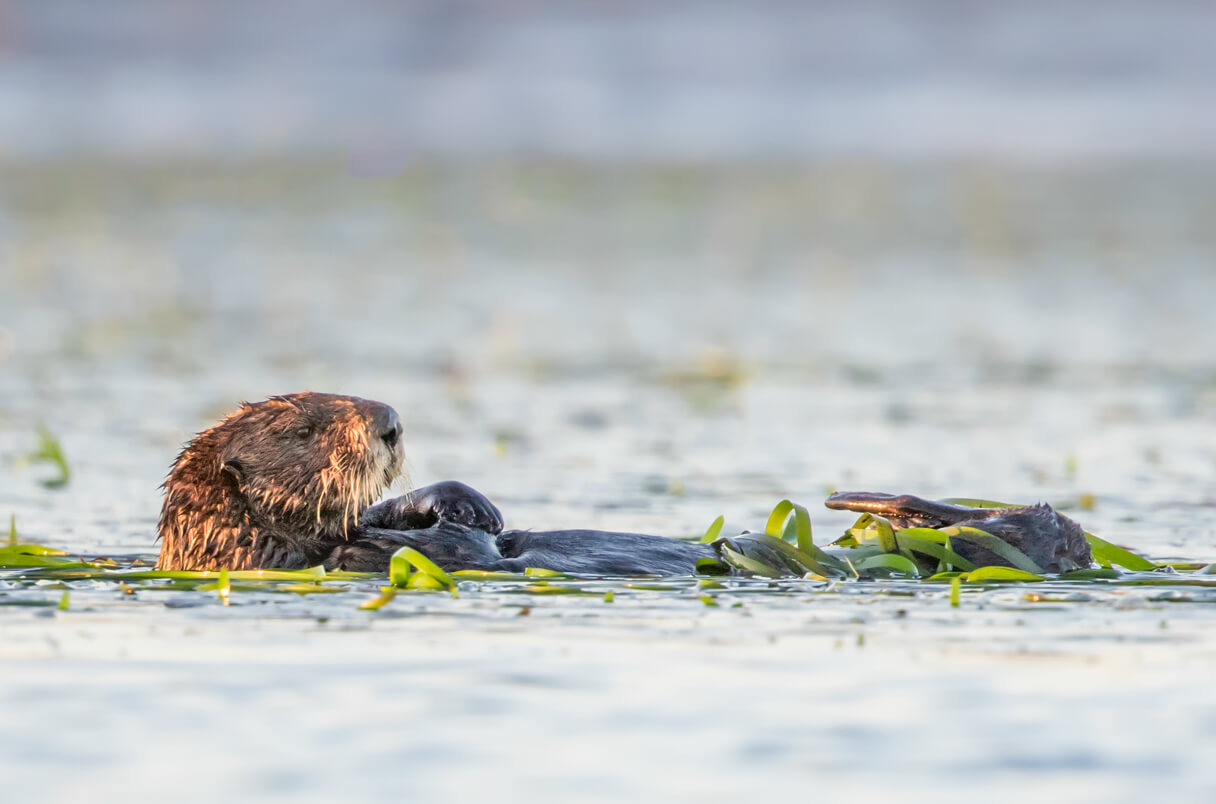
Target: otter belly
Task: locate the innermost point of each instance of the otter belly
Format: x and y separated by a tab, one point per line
585	552
597	552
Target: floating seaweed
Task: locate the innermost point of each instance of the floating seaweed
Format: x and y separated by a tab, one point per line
887	559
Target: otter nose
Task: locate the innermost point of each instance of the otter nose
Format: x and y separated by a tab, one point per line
387	425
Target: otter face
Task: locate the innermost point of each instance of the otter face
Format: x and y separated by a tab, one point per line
311	456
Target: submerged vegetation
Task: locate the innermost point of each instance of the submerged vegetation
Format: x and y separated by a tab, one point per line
50	451
872	556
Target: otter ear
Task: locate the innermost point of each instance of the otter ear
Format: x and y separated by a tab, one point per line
231	464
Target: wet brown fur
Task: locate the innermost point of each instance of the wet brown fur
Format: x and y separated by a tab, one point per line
278	483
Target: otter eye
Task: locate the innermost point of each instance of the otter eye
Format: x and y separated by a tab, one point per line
304	431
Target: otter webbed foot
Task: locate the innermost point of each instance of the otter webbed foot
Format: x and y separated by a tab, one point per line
906	510
449	501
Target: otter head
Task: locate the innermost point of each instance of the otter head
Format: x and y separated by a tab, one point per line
277	481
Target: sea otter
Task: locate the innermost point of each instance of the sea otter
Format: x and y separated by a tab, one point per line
289	483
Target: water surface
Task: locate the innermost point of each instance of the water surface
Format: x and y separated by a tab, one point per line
631	348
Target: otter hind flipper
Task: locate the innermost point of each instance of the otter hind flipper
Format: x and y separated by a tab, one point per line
906	510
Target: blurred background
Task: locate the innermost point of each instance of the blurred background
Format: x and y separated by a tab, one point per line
626	265
387	83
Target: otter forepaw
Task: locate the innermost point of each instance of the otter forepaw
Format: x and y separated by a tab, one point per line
449	501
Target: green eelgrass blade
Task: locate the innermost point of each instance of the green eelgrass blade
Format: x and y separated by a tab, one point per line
797	530
399	571
853	537
828	560
64	601
224	586
1102	573
859	553
891	561
1001	574
801	526
742	562
387	593
1107	553
912	539
712	566
345	575
847	540
420	580
30	550
886	535
51	451
425	566
776	520
310	589
994	545
488	575
541	572
714	531
12	530
538	589
316	573
863	521
803	561
11	558
955	591
90	571
311	574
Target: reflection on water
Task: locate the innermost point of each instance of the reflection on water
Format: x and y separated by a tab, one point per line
634	348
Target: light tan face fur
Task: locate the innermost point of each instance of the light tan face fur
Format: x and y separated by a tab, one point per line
311	453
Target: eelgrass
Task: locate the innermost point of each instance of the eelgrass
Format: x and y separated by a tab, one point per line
51	451
871	550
